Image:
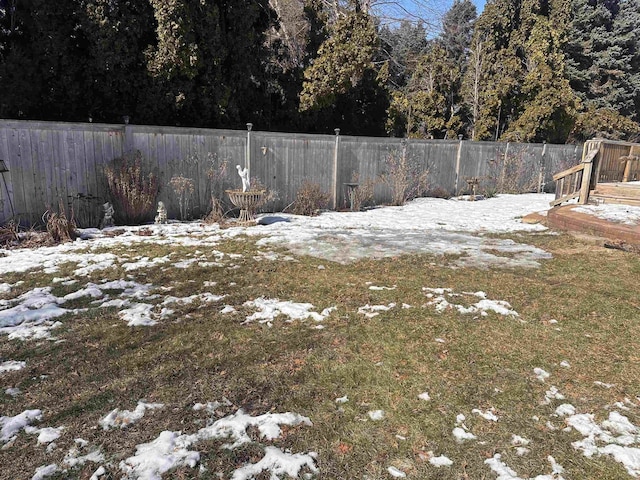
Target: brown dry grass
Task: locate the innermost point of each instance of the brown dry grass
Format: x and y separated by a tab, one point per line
383	363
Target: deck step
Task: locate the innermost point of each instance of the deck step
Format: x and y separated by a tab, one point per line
619	190
599	198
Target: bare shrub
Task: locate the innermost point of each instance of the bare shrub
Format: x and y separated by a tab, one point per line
133	192
9	233
59	228
183	187
510	172
216	214
270	195
216	173
438	192
404	176
362	195
310	199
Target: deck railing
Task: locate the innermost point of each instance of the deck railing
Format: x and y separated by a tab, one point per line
603	161
575	182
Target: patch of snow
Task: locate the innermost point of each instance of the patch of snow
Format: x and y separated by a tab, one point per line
270	308
138	314
604	385
504	472
487	415
552	394
344	399
73	458
617	433
540	374
441	461
123	418
45	471
98	473
31	315
12	425
171	449
396	473
32	331
228	309
424	225
462	435
90	290
46	434
424	396
277	463
565	364
201	297
376	414
5	287
625	214
371	311
146	262
517	440
11	366
151	460
565	409
234	427
374	287
12	391
438	298
629	457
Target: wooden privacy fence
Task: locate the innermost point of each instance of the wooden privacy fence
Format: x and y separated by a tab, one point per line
49	163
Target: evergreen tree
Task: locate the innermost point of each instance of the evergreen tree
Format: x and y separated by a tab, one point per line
116	80
342	61
491	83
401	47
515	86
626	32
424	109
457	30
602	53
548	103
40	73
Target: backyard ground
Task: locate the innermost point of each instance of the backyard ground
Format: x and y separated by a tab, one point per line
440	340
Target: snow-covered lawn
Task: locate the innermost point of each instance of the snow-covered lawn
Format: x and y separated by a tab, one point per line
475	345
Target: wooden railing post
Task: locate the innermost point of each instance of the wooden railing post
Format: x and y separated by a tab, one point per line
335	168
586	180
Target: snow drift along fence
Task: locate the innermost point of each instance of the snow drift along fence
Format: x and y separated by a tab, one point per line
49	161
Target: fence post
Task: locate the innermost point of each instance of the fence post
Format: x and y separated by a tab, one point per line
335	168
247	158
458	157
542	168
504	167
128	137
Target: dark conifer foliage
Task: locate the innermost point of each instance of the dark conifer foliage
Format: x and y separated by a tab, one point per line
524	70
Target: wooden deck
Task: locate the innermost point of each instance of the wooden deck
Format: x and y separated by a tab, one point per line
627	193
608	173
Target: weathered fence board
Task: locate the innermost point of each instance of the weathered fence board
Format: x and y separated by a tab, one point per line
50	162
283	162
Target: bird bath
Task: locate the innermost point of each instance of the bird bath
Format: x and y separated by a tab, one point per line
247	202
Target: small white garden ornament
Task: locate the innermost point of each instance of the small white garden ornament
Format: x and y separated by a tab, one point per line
107	218
161	217
244	175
